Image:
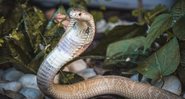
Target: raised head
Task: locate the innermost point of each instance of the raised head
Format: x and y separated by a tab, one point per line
80	14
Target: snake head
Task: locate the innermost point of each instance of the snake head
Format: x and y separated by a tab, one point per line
84	24
79	14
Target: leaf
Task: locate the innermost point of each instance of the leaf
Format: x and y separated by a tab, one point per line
97	15
5	59
1	42
36	61
150	15
179	29
123	47
118	33
163	62
178	9
18	52
69	77
160	25
181	68
2	20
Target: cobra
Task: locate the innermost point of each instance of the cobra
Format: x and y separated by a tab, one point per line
78	36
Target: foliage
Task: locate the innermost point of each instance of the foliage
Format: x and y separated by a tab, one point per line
153	62
158	27
178	10
179	29
113	19
98	15
118	33
27	41
24	37
2	20
162	62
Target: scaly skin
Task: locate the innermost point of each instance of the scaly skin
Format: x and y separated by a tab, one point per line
76	39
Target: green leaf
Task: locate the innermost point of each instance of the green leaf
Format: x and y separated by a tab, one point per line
9	59
118	33
1	42
18	52
2	20
36	61
178	9
160	25
69	78
163	62
179	29
98	15
125	47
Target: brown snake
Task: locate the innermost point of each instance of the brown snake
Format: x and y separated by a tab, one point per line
75	40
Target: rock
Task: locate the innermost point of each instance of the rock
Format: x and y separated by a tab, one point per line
170	83
29	80
12	74
87	73
77	66
11	95
99	70
13	86
119	22
31	93
101	26
56	79
135	77
45	97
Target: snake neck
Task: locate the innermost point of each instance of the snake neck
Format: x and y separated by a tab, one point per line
69	47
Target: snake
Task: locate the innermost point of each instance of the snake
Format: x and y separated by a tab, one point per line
75	40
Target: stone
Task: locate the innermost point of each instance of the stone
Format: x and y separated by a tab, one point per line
11	74
29	80
56	79
31	93
87	73
101	26
77	66
170	83
135	77
13	86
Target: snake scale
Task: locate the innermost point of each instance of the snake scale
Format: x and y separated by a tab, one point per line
76	39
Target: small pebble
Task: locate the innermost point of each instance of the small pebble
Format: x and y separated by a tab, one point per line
135	77
101	26
13	86
87	73
12	74
56	79
170	83
31	93
29	80
77	66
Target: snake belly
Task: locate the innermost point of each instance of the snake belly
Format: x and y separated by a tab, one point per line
76	39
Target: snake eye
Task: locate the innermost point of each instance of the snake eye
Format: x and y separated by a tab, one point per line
79	14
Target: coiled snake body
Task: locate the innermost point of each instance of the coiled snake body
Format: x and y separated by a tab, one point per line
76	39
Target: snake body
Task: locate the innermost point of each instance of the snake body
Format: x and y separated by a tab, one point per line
76	39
